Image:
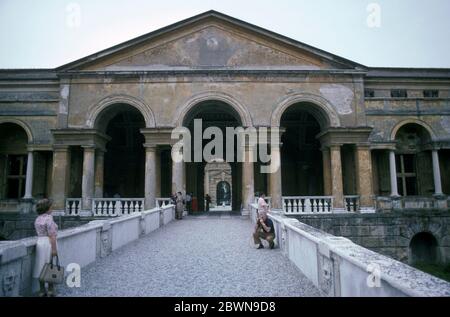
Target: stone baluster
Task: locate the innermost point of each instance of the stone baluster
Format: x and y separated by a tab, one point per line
308	205
111	209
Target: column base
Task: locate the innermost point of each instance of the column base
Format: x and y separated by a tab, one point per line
26	206
339	210
367	210
245	212
441	201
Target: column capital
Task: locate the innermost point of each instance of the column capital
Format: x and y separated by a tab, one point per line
80	137
150	147
89	148
362	146
335	147
158	136
329	147
347	135
60	148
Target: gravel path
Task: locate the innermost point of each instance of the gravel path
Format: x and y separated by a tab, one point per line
197	256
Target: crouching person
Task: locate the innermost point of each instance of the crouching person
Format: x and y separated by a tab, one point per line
264	230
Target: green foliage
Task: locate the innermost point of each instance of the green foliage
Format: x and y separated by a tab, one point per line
439	270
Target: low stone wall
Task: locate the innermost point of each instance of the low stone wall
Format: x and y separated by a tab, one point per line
82	245
339	267
15	226
387	233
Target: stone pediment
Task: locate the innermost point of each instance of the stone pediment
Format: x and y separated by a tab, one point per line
210	40
212	47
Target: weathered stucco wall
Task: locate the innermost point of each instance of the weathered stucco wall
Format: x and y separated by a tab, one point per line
387	233
254	96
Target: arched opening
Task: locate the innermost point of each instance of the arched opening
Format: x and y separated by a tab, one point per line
413	161
13	160
423	248
213	113
218	184
301	158
124	165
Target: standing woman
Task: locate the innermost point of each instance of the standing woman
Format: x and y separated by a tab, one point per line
46	229
180	206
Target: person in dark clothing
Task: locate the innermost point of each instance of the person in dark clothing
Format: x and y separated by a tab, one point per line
189	202
207	202
264	230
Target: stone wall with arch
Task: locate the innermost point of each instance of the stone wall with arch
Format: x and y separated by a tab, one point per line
421	123
96	110
389	233
187	106
322	109
21	124
216	172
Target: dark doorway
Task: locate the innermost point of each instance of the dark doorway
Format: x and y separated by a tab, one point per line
423	248
301	158
125	155
213	114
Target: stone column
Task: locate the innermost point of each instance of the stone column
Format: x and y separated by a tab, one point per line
99	173
336	178
393	173
60	176
150	177
248	181
326	161
206	183
275	176
177	176
87	187
436	173
364	184
29	177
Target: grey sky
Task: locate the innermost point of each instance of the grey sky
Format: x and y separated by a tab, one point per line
413	33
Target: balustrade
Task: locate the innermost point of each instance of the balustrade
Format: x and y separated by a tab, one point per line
112	207
351	203
73	206
160	202
307	204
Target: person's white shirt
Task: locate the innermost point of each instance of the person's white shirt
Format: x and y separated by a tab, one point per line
262	205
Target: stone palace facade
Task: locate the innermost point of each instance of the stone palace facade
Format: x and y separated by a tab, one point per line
97	130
